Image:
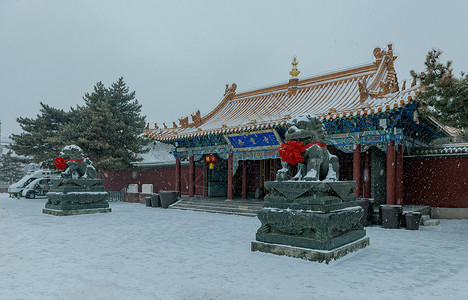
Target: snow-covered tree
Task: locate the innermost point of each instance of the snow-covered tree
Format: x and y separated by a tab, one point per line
11	167
445	95
41	136
108	127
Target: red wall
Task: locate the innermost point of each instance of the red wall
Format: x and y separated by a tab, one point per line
162	179
184	180
436	181
199	181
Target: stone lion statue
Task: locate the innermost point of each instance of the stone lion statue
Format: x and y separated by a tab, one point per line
75	164
306	147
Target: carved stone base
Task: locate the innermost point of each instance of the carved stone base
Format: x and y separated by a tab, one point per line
56	212
307	229
77	194
319	215
310	254
324	196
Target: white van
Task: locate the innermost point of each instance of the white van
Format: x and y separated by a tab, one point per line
37	187
15	189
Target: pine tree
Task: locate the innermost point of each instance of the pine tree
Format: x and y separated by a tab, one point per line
11	167
109	126
41	138
128	125
445	96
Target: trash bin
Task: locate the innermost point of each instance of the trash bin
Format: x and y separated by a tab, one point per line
155	200
391	216
167	198
366	205
413	219
148	201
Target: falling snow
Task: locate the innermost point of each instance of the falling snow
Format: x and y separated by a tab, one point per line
137	252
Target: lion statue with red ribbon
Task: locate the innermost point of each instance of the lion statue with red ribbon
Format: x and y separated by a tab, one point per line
74	164
306	148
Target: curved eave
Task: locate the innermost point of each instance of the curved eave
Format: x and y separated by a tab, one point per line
449	131
398	102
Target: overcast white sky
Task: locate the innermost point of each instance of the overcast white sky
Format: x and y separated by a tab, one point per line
178	55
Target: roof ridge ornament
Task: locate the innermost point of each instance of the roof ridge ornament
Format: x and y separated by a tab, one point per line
363	90
293	81
230	91
294	71
380	54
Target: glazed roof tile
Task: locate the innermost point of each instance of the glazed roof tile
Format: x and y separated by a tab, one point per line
329	96
448	149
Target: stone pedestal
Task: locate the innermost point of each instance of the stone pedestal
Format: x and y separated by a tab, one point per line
76	196
311	254
318	215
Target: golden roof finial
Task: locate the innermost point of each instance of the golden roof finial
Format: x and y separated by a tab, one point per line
294	72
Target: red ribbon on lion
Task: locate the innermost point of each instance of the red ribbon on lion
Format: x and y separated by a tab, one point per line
61	164
291	152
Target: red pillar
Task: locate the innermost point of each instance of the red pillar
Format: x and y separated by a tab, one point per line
367	174
391	173
206	170
191	177
357	176
177	175
244	179
230	193
399	176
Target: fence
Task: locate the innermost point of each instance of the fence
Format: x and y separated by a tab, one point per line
116	195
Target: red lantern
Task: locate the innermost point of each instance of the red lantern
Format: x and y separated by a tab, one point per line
211	159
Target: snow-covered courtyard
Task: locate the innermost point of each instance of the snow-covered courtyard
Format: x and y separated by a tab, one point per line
136	252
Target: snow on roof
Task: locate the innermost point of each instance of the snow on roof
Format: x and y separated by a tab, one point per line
158	154
444	149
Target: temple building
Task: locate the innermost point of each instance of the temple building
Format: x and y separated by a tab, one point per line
372	122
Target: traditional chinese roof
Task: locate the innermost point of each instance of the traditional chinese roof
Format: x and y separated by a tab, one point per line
354	92
445	149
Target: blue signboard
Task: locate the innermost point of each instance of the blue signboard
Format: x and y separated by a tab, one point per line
257	140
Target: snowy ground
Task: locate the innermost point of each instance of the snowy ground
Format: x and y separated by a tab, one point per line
137	252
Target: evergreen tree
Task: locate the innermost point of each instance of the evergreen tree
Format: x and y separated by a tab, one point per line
445	96
128	125
109	126
11	167
42	138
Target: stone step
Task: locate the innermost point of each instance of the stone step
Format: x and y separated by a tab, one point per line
246	214
222	203
244	208
217	206
431	222
425	218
